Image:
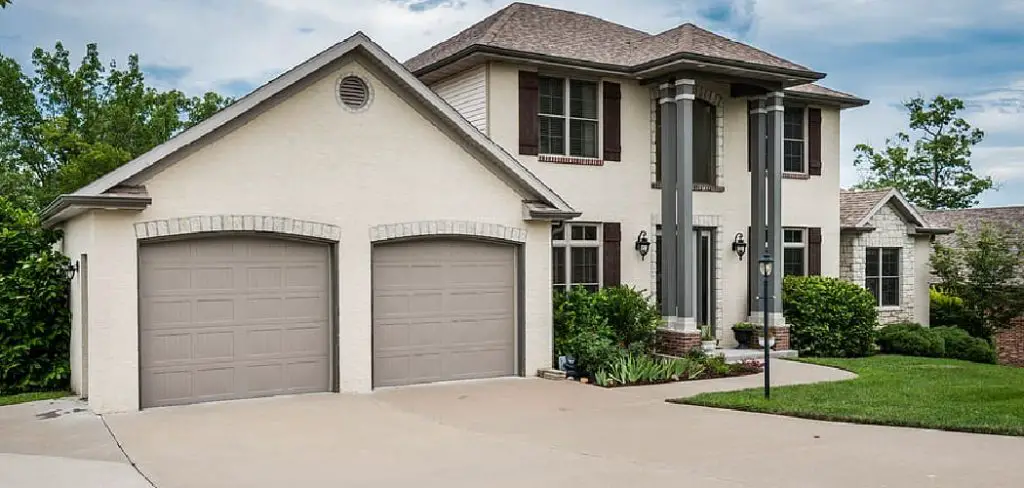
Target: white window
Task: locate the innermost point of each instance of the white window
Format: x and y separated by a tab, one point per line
794	252
576	256
573	103
882	275
793	137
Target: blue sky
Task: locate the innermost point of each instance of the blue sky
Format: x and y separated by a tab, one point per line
883	50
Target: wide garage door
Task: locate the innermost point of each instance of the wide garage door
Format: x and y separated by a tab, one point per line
232	317
442	310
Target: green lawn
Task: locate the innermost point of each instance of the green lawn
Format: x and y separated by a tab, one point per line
897	390
31	397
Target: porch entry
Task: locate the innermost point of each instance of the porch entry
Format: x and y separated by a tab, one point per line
704	245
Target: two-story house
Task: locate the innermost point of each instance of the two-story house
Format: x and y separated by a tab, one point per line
355	223
605	114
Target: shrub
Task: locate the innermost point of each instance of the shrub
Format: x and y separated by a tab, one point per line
829	317
633	317
911	340
35	323
960	345
950	311
639	369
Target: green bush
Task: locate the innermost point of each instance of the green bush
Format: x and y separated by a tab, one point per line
639	369
632	315
35	323
597	328
950	311
911	340
829	317
960	345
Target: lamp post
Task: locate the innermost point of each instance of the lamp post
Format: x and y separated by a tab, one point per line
765	265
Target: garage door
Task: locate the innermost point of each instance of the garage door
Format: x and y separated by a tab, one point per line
232	317
442	310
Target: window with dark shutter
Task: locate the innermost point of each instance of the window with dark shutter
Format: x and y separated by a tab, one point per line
814	251
612	271
612	122
529	103
814	141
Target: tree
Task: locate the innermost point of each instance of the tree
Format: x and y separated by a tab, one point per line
4	3
984	270
934	171
63	126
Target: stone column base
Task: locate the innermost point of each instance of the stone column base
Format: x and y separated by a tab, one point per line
781	337
676	342
778	327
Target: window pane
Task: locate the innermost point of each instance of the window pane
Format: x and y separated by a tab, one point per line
872	262
704	142
583	138
584	265
793	261
793	235
552	96
581	232
552	135
793	156
890	291
583	99
891	261
793	128
558	265
872	284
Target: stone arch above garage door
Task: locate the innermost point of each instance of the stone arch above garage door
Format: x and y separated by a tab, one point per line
423	228
236	223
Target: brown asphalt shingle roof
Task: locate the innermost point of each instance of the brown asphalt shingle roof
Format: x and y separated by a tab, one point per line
972	219
571	35
815	89
854	205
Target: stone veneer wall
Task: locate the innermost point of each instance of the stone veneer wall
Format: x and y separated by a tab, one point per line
890	230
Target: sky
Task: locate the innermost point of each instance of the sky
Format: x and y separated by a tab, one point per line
884	50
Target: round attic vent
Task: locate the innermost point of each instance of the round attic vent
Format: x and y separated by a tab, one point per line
353	92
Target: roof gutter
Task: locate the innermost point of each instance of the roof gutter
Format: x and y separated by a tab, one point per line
66	206
843	102
649	67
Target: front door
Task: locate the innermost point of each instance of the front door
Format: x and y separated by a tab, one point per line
705	250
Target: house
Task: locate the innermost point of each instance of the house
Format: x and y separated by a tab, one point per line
885	245
1009	342
356	223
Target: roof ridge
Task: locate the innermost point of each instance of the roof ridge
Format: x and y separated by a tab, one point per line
741	43
997	207
581	14
504	15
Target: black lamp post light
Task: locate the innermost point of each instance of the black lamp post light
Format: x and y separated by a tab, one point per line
642	245
765	265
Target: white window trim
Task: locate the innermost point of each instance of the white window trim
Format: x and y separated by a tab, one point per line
795	245
804	162
567	243
881	277
567	117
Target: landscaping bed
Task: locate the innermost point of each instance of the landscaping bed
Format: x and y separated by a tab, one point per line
897	391
639	370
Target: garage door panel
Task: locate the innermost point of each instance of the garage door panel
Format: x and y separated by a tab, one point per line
443	310
236	330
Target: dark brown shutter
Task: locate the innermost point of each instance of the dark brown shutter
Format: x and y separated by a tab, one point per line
529	104
612	122
612	254
814	251
814	141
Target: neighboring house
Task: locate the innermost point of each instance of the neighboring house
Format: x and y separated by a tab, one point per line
1009	342
590	107
885	247
343	228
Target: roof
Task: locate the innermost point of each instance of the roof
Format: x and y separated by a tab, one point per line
972	219
544	202
815	91
533	29
858	207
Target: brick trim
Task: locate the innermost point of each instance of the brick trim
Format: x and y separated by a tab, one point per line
676	342
550	158
198	224
385	232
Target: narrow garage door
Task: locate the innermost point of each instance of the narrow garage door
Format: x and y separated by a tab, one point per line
442	310
232	317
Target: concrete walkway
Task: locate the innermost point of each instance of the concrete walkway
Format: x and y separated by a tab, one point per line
58	444
531	432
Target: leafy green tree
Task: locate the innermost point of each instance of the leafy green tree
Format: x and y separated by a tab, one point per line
934	170
4	3
62	126
984	270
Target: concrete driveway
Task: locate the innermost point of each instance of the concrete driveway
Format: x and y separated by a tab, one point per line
531	432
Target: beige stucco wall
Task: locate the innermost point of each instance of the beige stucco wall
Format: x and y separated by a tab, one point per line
77	241
620	191
308	158
923	275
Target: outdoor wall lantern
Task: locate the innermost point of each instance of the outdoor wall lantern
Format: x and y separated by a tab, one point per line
739	246
72	270
643	244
